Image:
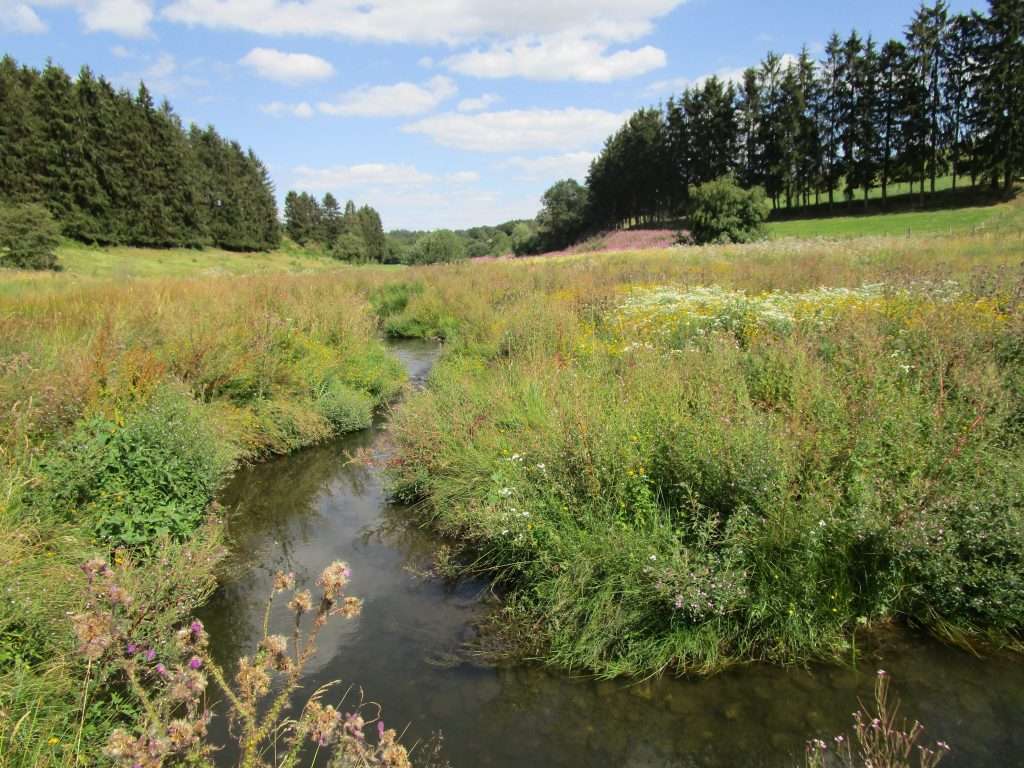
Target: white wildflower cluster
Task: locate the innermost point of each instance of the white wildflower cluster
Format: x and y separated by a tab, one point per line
675	317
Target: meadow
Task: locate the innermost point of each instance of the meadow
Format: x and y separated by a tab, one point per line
667	461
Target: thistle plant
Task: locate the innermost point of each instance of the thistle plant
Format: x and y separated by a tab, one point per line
171	683
879	740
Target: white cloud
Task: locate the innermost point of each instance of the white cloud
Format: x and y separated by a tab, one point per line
520	130
732	75
20	19
452	22
557	57
301	110
128	18
570	165
463	177
355	176
120	52
288	68
427	62
398	100
164	76
479	103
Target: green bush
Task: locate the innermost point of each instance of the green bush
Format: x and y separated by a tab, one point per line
136	478
345	408
723	212
29	237
437	247
350	247
391	299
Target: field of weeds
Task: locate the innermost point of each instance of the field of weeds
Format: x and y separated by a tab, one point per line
123	407
683	460
670	460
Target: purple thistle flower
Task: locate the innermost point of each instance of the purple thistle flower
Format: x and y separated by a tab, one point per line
197	627
131	649
380	729
161	670
150	654
195	662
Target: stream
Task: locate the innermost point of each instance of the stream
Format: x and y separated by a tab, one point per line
405	651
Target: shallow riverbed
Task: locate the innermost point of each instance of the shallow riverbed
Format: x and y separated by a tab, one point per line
303	511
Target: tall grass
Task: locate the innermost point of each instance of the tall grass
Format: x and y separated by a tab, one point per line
682	479
122	407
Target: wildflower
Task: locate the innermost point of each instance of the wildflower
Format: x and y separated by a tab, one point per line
161	670
131	649
380	729
302	602
351	608
94	632
334	578
354	723
117	595
183	734
195	663
882	673
95	567
186	685
654	557
680	602
283	581
150	654
53	740
253	680
324	722
821	523
276	647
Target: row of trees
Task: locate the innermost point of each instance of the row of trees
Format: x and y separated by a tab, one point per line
354	235
114	168
947	98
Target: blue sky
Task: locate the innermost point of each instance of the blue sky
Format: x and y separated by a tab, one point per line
440	113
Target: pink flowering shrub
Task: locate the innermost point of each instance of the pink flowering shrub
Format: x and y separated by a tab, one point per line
170	683
879	739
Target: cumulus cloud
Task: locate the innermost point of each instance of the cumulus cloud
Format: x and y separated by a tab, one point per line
454	22
20	19
478	103
570	165
288	68
559	57
301	110
165	76
344	177
398	100
128	18
463	177
520	130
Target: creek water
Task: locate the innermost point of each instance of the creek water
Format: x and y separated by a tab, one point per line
406	650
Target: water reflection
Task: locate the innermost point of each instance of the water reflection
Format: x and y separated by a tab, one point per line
300	512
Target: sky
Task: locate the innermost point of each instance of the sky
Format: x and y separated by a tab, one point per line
439	113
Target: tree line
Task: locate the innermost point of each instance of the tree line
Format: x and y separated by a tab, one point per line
114	168
947	98
354	235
